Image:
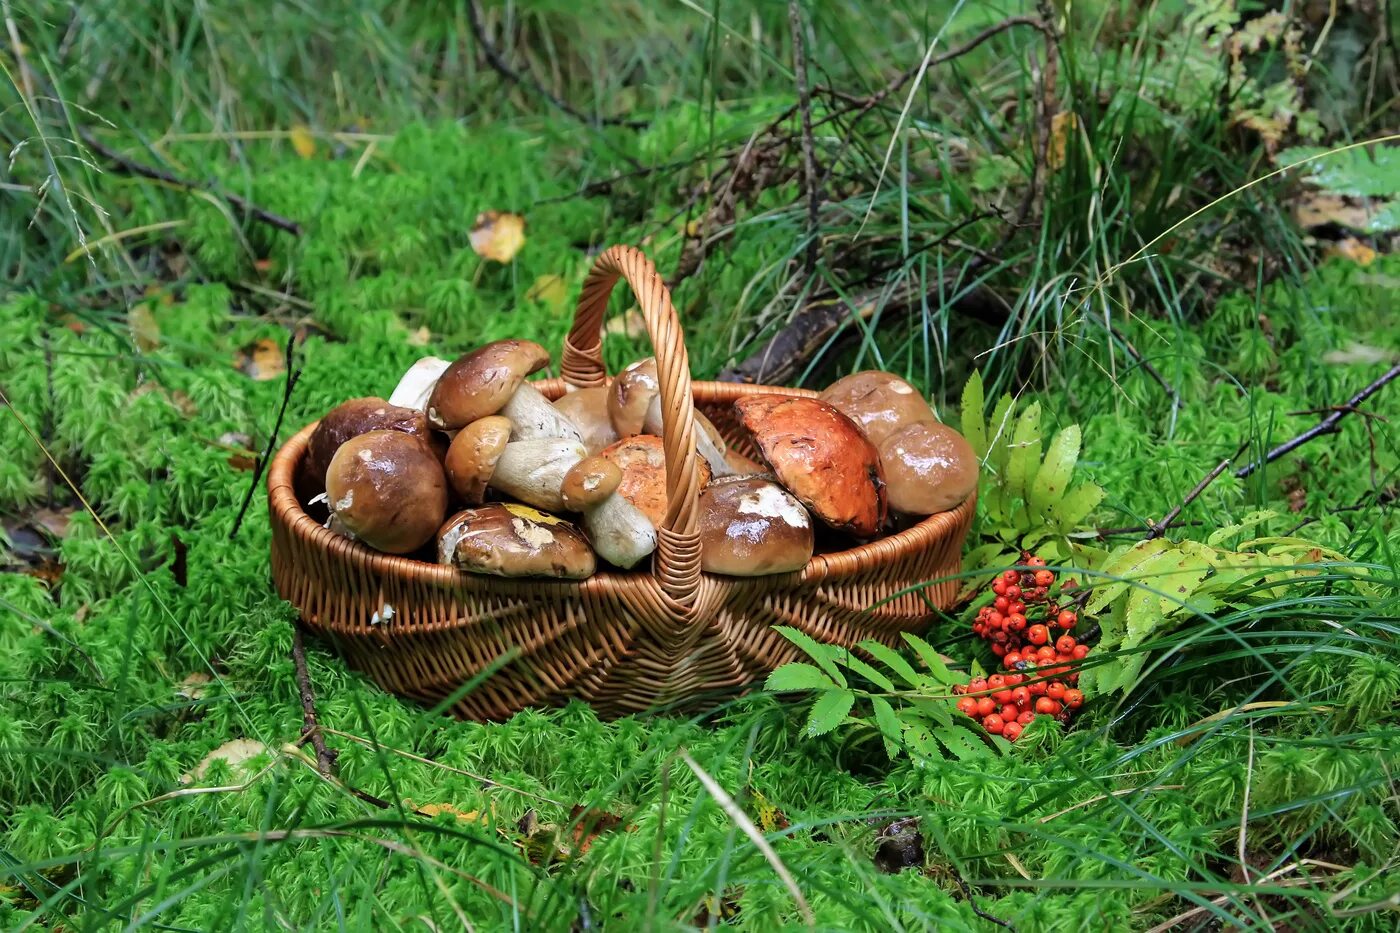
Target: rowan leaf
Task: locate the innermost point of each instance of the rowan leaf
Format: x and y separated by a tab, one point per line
1052	479
1025	450
829	711
974	424
894	661
821	654
891	730
797	676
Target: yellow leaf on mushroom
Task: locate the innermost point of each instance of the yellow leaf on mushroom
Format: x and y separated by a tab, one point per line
498	236
549	290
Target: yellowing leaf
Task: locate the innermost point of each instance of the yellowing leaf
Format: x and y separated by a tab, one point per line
1353	249
192	687
1062	125
144	329
524	511
236	754
420	337
631	324
303	141
262	360
549	290
1319	209
770	818
498	236
433	809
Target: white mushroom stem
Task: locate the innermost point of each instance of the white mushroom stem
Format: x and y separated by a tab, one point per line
417	384
533	417
619	532
704	445
533	471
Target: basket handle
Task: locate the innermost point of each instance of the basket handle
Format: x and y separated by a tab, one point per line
677	563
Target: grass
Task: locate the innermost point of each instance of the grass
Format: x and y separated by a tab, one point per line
1245	779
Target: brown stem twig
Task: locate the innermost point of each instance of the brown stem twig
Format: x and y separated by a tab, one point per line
1157	529
292	376
311	729
809	157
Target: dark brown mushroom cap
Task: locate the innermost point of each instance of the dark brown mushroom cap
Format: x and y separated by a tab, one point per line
387	489
879	402
822	457
750	526
480	383
472	457
589	482
510	540
631	394
642	459
928	467
351	419
588	408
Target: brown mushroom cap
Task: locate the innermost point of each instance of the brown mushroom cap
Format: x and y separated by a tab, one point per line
631	393
743	466
590	481
387	489
588	408
514	541
822	457
929	468
480	383
351	419
472	457
879	402
751	526
642	459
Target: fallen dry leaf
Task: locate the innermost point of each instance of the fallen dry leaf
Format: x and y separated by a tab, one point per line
433	809
1319	209
1062	124
263	359
630	324
1360	353
770	818
303	141
498	236
420	337
192	687
54	521
549	290
144	329
1353	249
236	754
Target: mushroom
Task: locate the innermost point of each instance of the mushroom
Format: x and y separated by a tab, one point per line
739	465
387	489
879	402
510	540
351	419
472	458
417	384
642	460
618	530
822	457
750	526
533	471
709	443
490	379
588	410
928	467
631	395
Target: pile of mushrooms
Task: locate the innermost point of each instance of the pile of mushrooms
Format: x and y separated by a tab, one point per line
468	459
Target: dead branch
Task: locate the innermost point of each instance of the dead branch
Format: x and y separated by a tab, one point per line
1159	528
292	376
809	158
311	729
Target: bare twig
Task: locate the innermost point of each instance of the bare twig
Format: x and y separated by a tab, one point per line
967	895
1159	528
132	167
809	157
311	729
1327	425
497	61
292	376
1146	367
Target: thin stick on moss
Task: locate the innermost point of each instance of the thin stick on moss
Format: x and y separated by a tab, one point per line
1158	529
292	376
311	729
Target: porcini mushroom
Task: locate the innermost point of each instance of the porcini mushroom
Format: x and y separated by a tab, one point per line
472	458
822	457
709	443
533	471
620	533
491	380
417	384
588	410
351	419
879	402
510	540
642	460
631	395
928	467
387	489
750	526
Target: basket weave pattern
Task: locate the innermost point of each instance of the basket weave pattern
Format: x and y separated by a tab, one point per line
623	641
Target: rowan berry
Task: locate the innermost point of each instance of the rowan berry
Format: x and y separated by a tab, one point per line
977	685
1012	658
995	619
1021	696
1047	705
1038	635
1002	696
1037	688
1034	562
986	706
1013	679
1013	592
998	650
1009	712
1055	690
993	724
1044	578
967	705
1081	652
1001	603
1074	699
999	587
1026	718
1016	622
1045	653
1011	576
1066	619
1017	606
1065	644
1010	731
999	637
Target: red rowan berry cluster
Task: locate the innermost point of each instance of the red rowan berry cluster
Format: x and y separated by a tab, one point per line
1029	630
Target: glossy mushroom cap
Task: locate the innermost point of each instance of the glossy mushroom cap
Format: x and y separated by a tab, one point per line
480	383
642	460
588	409
751	526
880	403
928	467
590	481
631	395
514	541
351	419
387	489
472	457
822	457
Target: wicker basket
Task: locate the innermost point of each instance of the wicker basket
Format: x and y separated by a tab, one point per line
625	642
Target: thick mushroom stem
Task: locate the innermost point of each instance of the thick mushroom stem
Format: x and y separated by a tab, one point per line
705	434
533	471
619	531
534	417
417	384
